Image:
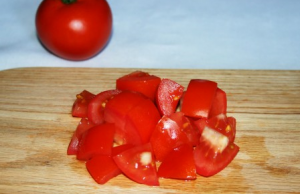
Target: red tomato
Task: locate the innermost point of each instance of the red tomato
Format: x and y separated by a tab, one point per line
187	126
97	104
168	95
80	106
82	127
138	164
102	168
219	105
121	148
141	82
213	153
166	136
198	98
116	110
97	140
134	115
179	164
142	118
74	30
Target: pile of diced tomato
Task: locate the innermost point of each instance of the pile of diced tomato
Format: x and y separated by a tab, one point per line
149	128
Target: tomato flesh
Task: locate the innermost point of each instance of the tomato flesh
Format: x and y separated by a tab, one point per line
141	82
179	164
213	153
198	98
80	105
138	164
168	95
97	140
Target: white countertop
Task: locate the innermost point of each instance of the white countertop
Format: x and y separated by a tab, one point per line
202	34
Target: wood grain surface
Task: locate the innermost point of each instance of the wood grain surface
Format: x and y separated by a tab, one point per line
36	126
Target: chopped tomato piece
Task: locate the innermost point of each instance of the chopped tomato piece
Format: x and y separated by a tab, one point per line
198	98
97	140
83	125
168	95
141	82
80	106
121	148
219	105
221	123
97	104
134	115
186	125
179	164
213	153
143	118
166	136
102	168
138	164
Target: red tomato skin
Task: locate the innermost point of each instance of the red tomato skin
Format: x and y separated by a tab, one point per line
130	163
219	105
187	126
97	104
198	98
75	31
179	164
80	105
168	95
102	168
97	140
166	136
139	81
116	110
143	119
209	163
83	125
121	148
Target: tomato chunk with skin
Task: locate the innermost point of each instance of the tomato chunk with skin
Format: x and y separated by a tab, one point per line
166	136
83	125
102	168
80	105
179	164
141	82
219	105
143	119
168	95
121	148
97	140
198	98
221	123
97	104
187	126
138	164
134	115
213	153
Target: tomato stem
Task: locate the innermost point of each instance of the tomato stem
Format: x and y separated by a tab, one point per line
68	1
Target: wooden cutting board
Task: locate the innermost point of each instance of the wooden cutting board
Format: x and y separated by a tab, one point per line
36	126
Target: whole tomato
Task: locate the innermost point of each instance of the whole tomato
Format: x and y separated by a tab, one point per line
74	29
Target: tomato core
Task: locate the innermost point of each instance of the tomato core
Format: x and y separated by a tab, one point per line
68	1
